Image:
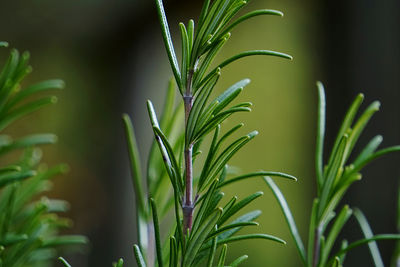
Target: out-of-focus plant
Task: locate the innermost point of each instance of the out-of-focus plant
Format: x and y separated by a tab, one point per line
333	180
29	221
203	219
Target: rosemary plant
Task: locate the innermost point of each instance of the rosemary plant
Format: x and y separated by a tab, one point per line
203	220
29	225
333	181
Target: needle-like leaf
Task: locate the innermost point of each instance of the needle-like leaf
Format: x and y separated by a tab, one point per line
289	218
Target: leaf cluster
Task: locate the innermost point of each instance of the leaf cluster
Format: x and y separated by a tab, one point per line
29	222
178	142
333	181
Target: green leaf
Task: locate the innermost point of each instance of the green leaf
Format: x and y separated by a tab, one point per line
257	174
173	256
208	59
33	89
250	216
337	227
241	204
312	231
202	212
212	250
366	229
238	261
198	107
222	160
64	262
185	58
348	120
366	241
320	136
250	15
64	240
135	166
120	263
289	218
157	233
222	256
368	150
166	151
372	157
15	176
247	237
26	109
168	43
198	238
3	44
138	256
359	126
247	54
238	225
30	140
11	239
331	174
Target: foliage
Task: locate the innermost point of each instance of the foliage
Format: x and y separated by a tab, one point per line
333	181
203	219
29	222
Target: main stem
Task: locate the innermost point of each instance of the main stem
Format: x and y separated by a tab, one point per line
188	205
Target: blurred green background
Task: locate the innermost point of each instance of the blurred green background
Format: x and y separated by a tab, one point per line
110	54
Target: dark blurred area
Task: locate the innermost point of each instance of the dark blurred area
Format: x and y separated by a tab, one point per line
111	55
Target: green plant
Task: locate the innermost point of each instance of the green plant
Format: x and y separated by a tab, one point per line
29	222
333	180
202	220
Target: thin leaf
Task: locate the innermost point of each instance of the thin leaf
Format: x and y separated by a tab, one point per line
168	43
64	240
366	229
30	140
237	207
340	221
173	256
289	218
331	174
198	238
231	226
247	54
251	15
320	135
212	250
222	256
368	240
64	262
347	121
39	87
257	174
250	216
135	166
138	256
13	177
26	109
368	150
247	237
157	233
238	261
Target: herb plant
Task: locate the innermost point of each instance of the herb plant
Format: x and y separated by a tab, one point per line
203	219
333	180
29	221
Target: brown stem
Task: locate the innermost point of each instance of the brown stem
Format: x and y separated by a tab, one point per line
188	205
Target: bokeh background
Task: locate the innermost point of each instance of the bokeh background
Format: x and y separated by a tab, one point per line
110	54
